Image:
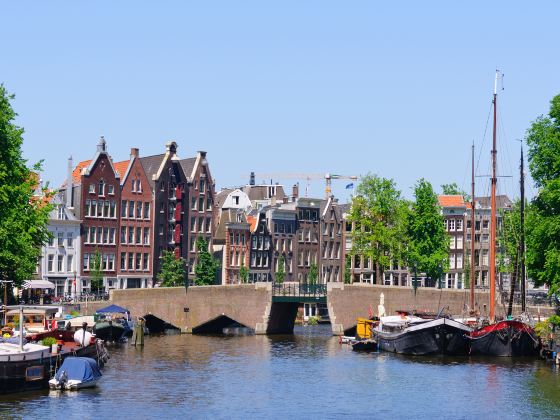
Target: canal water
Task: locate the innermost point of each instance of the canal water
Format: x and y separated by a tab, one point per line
306	375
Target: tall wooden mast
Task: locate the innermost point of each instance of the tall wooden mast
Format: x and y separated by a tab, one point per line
522	231
473	272
492	267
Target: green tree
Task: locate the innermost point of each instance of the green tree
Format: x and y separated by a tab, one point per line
206	266
453	189
96	272
281	273
244	273
24	206
543	217
428	242
377	213
347	268
313	274
172	270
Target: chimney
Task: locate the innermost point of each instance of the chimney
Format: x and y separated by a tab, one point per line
252	179
295	192
69	182
285	199
134	152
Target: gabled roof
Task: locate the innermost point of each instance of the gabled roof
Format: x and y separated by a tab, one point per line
188	165
451	201
77	173
151	166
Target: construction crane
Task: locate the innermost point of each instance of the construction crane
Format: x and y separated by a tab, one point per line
328	177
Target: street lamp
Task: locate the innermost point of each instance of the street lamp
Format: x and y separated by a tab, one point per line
186	279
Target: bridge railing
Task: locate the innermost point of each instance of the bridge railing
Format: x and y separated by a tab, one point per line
299	290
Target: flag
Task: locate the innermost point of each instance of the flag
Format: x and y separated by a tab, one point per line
350	186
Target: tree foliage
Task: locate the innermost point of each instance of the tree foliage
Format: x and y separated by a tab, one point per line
281	273
313	274
206	265
244	273
172	270
347	269
453	189
428	247
543	218
378	214
96	272
23	213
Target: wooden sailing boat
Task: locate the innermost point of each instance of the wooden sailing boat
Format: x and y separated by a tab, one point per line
504	337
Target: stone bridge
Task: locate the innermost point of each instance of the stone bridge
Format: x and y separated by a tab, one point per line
209	309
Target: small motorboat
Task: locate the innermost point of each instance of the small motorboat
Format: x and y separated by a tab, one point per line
365	344
346	339
76	373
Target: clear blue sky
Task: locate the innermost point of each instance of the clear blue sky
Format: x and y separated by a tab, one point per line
400	89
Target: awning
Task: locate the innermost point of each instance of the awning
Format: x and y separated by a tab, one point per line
114	309
38	284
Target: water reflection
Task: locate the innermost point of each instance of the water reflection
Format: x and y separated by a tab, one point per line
303	375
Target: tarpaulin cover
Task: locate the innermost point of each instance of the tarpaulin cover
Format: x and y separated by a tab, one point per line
112	309
79	368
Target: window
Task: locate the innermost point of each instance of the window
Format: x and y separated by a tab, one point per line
209	225
459	225
138	209
202	185
69	240
101	188
446	224
93	237
145	265
112	234
201	224
86	262
459	242
131	209
133	185
139	235
452	225
130	261
208	203
123	260
93	209
484	257
111	265
100	208
50	263
92	188
452	242
130	235
60	264
61	214
485	224
87	208
138	186
193	203
485	237
123	234
146	236
111	189
113	210
60	240
193	224
106	235
138	261
201	204
147	211
106	209
69	260
459	261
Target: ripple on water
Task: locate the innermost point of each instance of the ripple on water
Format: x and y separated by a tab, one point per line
304	375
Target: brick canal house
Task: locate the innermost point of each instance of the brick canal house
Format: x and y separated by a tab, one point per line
454	210
261	249
183	196
332	242
308	230
168	184
136	225
96	184
237	250
201	212
282	223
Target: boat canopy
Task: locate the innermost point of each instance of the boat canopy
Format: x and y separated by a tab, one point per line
38	284
80	369
112	309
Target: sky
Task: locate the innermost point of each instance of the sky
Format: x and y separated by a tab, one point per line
398	89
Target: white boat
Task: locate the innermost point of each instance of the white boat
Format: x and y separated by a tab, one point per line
76	373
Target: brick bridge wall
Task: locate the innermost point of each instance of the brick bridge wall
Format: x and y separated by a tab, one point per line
248	304
348	302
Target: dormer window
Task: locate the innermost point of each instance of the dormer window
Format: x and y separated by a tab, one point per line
101	188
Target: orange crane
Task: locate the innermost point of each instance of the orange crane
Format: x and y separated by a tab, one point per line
328	177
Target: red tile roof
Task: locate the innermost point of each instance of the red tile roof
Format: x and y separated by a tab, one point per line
252	220
121	167
451	201
77	173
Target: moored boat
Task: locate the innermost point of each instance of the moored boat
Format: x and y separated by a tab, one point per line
507	338
418	336
76	373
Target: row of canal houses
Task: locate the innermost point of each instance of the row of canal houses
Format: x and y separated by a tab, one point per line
132	210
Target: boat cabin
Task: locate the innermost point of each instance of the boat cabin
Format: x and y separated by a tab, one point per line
36	320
